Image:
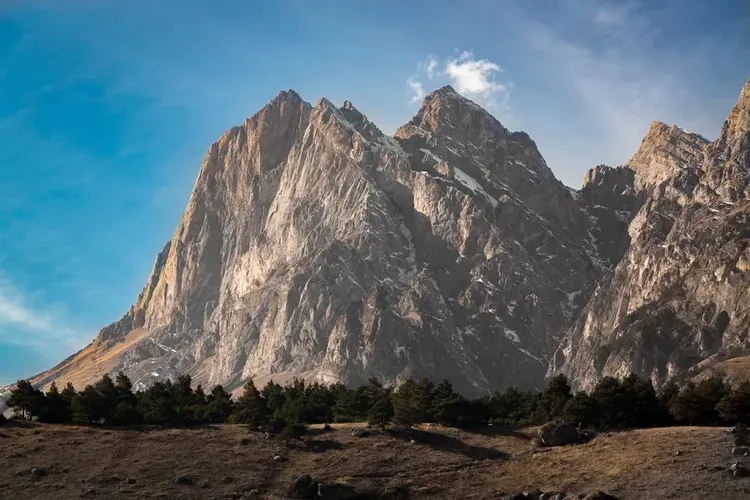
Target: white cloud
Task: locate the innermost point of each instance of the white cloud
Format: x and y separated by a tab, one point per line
474	78
431	64
43	327
417	88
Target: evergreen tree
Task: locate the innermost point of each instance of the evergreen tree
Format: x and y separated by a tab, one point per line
667	393
69	394
126	410
56	410
351	405
734	408
110	397
219	406
26	400
696	404
89	406
381	413
407	402
198	408
554	398
251	407
581	410
449	408
156	405
275	397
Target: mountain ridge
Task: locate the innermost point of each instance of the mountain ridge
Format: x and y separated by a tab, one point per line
314	245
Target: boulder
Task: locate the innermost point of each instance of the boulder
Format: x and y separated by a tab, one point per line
358	433
599	495
739	429
38	472
552	495
337	491
558	433
740	451
183	479
738	470
303	487
394	493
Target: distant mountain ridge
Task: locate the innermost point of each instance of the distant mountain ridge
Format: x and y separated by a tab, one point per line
316	246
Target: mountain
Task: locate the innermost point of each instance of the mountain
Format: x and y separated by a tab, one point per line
678	303
316	246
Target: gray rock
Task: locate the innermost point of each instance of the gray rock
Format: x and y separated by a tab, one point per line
303	487
738	470
552	495
183	479
599	495
740	451
359	433
558	433
337	491
393	493
38	472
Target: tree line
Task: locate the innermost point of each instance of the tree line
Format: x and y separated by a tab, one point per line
630	402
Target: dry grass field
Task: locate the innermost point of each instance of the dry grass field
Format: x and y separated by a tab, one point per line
226	462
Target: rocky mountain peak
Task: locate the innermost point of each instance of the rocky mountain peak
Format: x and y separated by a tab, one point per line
664	152
734	139
446	112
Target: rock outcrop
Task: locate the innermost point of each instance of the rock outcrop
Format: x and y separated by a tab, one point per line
676	305
315	246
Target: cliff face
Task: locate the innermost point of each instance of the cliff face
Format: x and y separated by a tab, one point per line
313	245
677	303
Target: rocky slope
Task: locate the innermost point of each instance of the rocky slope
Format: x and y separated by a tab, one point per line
313	245
678	302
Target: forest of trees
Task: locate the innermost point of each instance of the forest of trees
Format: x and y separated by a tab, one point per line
613	404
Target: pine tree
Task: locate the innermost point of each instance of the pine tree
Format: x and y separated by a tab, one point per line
110	397
381	413
89	406
275	397
251	407
126	411
407	404
198	408
734	408
57	409
156	405
26	400
69	394
219	406
554	397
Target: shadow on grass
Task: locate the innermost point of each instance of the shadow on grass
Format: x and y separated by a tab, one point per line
322	445
447	443
497	430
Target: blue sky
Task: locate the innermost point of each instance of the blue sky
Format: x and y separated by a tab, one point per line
106	108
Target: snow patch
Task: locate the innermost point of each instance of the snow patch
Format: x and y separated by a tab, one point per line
472	184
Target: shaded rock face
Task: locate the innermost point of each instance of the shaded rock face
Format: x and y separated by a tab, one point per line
677	302
313	245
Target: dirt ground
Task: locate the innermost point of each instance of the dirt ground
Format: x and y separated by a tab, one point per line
227	462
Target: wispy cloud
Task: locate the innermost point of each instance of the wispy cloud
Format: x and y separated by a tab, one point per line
472	77
42	327
417	88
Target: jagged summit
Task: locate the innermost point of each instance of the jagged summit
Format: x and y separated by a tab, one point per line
676	305
664	151
315	246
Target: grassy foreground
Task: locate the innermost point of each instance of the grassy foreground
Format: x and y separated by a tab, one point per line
216	462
